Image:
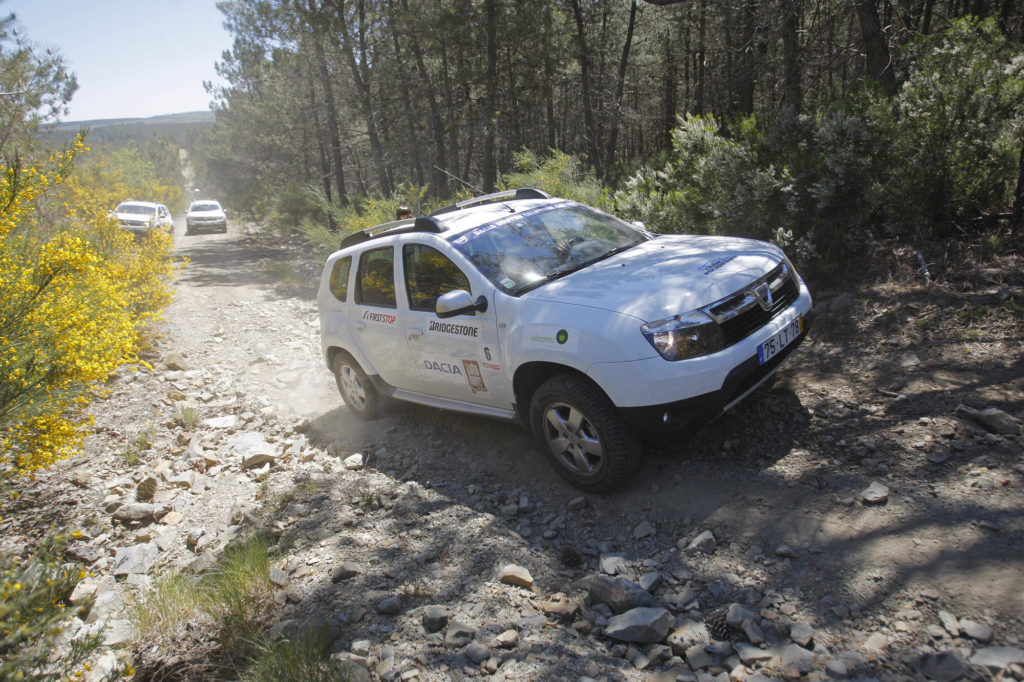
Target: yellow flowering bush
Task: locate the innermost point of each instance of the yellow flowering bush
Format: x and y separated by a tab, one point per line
34	606
76	292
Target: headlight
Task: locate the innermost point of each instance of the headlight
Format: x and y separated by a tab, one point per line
684	336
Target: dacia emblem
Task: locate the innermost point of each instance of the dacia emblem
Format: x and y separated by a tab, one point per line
763	294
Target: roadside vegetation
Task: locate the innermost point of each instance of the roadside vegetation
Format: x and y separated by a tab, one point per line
78	298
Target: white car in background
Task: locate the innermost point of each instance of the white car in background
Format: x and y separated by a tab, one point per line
592	331
205	215
143	217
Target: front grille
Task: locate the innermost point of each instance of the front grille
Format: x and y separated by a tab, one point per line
741	314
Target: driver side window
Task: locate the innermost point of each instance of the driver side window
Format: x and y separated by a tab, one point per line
428	274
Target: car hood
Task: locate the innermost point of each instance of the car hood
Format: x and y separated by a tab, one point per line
666	276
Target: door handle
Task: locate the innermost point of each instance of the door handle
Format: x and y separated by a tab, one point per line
360	325
415	333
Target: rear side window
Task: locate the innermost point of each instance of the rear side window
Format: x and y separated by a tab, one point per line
428	274
339	278
376	278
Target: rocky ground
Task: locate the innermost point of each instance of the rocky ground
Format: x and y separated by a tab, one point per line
860	518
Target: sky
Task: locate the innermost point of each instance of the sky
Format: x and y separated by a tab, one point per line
132	58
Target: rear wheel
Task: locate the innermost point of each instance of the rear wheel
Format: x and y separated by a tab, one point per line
576	425
359	395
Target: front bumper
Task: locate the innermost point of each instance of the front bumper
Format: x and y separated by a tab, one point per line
656	422
196	225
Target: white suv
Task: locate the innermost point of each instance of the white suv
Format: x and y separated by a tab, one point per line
591	330
143	217
206	214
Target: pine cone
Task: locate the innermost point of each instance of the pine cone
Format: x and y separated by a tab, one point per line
718	626
569	556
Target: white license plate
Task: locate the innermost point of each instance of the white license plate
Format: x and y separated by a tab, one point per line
770	348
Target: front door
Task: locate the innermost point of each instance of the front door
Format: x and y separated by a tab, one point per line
454	356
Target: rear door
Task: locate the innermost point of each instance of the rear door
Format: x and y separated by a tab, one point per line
379	322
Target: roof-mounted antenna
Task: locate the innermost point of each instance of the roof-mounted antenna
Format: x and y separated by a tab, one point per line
455	177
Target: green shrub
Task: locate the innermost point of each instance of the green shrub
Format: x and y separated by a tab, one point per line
953	132
560	175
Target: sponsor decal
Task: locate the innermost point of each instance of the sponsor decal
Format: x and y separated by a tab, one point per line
453	329
554	338
447	369
491	366
715	264
473	376
380	318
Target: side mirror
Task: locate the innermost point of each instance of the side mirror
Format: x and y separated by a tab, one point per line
459	302
639	224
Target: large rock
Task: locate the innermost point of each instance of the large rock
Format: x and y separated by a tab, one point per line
642	625
175	362
992	418
459	634
619	594
139	512
998	657
945	666
749	654
435	618
997	421
135	559
704	542
876	493
249	443
688	633
562	606
512	574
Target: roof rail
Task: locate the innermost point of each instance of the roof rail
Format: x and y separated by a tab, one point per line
420	224
506	195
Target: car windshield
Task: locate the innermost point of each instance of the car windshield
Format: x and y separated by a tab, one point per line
524	250
137	209
206	206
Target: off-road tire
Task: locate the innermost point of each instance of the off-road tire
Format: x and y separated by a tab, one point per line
582	434
359	394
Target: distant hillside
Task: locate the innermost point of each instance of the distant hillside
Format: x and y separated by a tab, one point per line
118	131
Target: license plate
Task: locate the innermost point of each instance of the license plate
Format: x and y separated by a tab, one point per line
770	348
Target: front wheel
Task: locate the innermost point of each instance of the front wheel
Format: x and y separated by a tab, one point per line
356	390
578	427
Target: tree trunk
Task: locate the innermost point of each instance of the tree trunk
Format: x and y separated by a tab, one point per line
876	47
1017	216
436	122
669	90
791	91
490	169
549	98
926	18
412	139
332	121
325	164
620	86
744	74
361	76
701	56
588	104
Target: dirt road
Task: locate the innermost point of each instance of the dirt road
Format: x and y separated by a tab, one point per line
786	469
